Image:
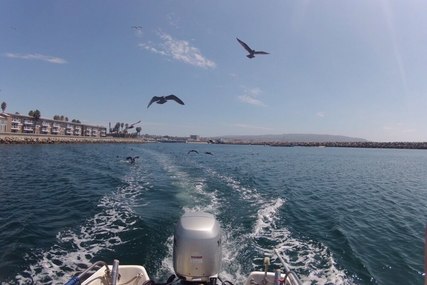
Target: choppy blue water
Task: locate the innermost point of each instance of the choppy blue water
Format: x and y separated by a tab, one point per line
340	216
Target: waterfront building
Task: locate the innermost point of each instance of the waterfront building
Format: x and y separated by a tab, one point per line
21	124
3	122
195	138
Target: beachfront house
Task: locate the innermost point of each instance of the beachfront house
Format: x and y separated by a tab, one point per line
3	122
21	124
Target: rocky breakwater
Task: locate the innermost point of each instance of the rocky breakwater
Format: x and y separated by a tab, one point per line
27	139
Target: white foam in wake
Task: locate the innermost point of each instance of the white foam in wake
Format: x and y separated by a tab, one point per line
266	216
249	194
312	259
74	249
309	254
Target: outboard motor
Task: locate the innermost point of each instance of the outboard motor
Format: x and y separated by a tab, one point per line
197	249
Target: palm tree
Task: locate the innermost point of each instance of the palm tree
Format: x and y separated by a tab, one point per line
36	115
116	129
3	106
138	130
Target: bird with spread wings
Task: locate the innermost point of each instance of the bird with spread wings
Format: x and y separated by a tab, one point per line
164	99
251	52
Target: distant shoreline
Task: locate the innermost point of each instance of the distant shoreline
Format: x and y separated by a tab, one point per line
383	145
48	139
44	139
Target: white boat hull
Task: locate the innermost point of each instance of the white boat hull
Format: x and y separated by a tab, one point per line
128	275
261	278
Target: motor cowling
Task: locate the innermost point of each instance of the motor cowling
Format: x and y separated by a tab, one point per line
197	248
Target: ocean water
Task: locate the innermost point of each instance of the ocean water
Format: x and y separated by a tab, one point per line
338	215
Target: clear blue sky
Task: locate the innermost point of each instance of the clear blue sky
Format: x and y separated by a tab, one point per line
353	68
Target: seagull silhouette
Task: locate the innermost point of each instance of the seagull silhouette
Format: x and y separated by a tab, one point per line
131	126
164	99
193	150
131	159
251	52
208	152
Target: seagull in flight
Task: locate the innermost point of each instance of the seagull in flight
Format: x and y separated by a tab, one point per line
131	159
251	52
164	99
193	150
137	27
208	152
131	126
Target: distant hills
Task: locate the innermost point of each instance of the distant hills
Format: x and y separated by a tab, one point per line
292	138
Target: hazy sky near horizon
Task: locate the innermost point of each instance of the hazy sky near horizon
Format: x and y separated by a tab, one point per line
352	68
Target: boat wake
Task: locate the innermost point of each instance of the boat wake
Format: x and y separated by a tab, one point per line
75	249
262	228
311	260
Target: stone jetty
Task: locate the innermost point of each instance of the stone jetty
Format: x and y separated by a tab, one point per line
365	144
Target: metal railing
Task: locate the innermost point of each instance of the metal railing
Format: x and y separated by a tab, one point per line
289	273
76	279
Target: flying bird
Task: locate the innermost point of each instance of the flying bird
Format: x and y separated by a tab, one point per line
193	150
164	99
131	159
137	27
251	52
131	126
208	152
